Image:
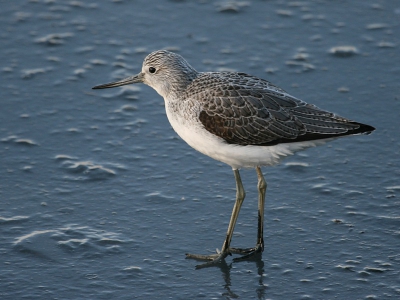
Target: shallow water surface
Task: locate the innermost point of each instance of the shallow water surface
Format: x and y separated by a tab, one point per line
100	199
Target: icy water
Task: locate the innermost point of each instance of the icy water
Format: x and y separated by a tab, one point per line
99	198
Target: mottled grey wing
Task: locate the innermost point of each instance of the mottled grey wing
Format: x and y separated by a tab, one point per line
253	114
249	117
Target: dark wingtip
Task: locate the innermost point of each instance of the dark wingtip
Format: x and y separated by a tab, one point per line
364	129
98	87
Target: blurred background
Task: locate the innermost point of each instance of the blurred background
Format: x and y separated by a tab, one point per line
100	199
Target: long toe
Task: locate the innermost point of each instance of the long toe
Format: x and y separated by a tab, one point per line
213	259
246	253
241	251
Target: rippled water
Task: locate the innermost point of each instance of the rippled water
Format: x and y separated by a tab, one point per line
100	199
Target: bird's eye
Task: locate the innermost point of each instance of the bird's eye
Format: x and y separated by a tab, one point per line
152	70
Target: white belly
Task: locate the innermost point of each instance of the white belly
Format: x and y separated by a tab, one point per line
236	156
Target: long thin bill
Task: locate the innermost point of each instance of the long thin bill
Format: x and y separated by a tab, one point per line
132	79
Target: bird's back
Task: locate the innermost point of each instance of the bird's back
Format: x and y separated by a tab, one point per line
246	110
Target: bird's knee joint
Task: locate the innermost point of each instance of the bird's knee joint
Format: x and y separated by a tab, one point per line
262	185
241	194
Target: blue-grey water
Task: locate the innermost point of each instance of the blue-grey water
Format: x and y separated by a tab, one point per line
100	199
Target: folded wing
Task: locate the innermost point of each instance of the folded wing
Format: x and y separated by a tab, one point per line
246	110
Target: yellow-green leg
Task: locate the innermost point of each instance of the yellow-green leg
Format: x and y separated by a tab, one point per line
225	251
262	188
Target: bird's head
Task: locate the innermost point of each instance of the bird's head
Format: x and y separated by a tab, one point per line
164	71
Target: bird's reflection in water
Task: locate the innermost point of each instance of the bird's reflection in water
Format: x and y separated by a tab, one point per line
226	275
